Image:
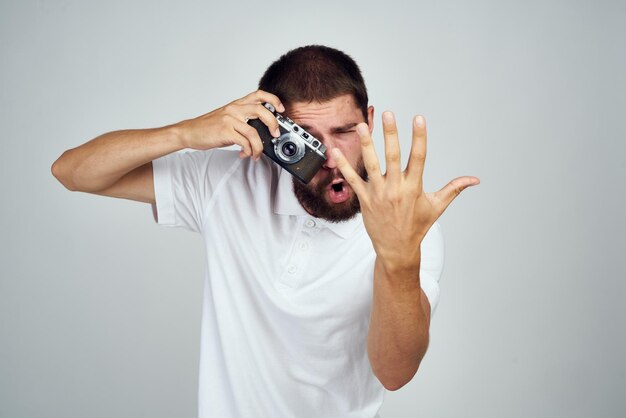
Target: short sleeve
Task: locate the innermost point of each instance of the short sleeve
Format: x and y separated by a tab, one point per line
431	267
185	182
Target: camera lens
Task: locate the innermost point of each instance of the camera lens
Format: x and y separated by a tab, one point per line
289	149
316	144
296	129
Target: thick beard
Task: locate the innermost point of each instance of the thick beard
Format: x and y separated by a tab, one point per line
311	197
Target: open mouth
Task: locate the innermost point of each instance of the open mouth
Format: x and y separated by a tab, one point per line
337	187
338	191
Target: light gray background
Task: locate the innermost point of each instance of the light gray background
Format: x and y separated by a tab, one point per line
100	308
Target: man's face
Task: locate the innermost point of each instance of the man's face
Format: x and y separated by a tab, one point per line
328	195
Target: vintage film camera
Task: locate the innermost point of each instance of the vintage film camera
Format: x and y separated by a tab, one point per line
296	150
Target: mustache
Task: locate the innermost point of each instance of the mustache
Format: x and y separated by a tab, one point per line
335	174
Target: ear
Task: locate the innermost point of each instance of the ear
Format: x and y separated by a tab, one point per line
370	118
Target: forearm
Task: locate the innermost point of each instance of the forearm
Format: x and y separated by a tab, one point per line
397	215
399	323
102	161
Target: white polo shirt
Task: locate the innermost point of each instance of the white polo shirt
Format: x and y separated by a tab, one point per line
287	296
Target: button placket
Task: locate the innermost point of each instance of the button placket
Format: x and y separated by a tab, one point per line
294	270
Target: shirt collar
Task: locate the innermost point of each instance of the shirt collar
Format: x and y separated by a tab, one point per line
286	203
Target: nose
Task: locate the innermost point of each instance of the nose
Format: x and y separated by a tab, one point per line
330	162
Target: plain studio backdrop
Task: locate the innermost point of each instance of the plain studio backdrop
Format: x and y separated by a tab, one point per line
100	308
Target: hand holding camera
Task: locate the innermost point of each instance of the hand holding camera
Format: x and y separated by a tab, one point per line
227	125
253	123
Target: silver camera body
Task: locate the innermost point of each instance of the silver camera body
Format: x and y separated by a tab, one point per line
296	150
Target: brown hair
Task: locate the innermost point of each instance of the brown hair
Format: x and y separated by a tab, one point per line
315	73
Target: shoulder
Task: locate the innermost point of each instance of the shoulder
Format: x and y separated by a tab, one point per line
433	248
434	236
262	173
223	165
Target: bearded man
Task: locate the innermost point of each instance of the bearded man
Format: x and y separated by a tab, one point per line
317	296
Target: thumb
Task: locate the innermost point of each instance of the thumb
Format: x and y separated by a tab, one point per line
454	188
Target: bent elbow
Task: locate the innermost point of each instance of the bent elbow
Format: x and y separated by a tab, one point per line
392	387
396	379
395	384
62	174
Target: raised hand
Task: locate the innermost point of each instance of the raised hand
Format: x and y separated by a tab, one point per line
397	213
227	125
